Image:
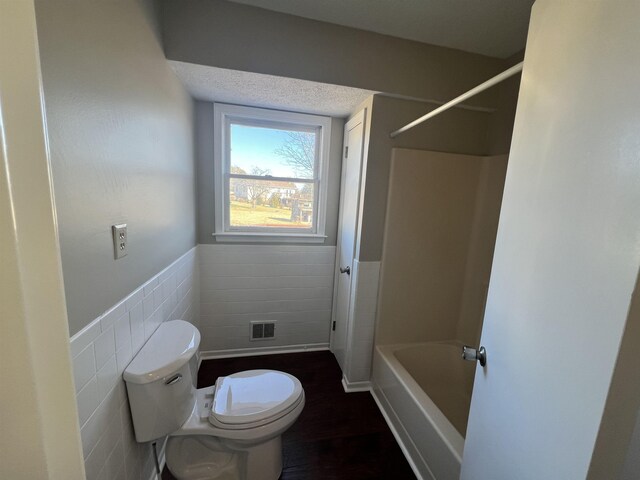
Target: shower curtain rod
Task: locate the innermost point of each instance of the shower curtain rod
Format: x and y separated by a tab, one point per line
474	91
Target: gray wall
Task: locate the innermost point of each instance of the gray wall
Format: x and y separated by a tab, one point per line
229	35
241	37
121	140
205	181
631	469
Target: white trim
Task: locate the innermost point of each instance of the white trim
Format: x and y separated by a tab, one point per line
218	177
397	435
222	114
251	352
269	237
351	387
40	394
360	117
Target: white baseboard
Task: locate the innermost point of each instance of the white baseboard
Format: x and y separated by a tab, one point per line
396	434
250	352
350	387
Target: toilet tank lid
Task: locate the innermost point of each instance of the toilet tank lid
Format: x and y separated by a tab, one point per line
172	345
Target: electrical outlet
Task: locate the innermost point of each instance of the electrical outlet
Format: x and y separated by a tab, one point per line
120	243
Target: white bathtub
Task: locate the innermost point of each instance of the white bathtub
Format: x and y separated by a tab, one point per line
424	390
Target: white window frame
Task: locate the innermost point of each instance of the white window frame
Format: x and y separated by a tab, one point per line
224	115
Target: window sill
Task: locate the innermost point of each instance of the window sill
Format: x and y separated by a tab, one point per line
237	237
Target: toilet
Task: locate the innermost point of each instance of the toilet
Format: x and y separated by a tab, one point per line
231	430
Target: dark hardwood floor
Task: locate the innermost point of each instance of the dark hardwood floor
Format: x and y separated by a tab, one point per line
338	435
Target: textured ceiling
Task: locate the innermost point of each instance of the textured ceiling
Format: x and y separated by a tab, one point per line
268	91
497	28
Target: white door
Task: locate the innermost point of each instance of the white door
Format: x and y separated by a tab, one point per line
567	251
348	223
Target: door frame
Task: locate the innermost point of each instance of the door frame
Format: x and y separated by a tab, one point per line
35	345
360	117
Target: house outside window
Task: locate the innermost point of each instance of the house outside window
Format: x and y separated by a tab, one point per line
270	174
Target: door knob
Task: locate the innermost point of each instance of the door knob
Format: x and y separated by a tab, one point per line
346	270
474	355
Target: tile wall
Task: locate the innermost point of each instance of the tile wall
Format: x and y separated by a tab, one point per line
291	285
220	289
103	349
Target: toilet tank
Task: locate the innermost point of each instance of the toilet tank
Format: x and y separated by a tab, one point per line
161	380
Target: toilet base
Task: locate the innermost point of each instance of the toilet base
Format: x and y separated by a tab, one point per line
204	457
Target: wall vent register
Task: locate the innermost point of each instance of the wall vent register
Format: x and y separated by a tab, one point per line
263	330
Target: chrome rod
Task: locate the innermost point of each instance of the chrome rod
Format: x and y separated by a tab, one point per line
510	72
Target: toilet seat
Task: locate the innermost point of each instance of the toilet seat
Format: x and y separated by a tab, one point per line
254	398
226	429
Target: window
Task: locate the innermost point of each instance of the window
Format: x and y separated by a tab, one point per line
270	174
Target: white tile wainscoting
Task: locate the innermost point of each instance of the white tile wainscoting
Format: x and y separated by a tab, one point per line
364	299
103	349
220	289
291	285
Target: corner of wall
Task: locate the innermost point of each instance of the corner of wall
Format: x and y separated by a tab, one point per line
102	350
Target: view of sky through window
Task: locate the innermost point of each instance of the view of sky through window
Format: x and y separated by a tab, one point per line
272	151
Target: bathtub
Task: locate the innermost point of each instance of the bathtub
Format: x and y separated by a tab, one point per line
424	392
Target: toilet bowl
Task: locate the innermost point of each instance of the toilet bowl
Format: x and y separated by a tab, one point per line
235	428
229	431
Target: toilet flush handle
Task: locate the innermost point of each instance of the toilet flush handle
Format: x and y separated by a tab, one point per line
175	379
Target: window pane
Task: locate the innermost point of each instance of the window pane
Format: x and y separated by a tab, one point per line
267	203
269	151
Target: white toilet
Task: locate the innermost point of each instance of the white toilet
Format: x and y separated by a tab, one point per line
229	431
